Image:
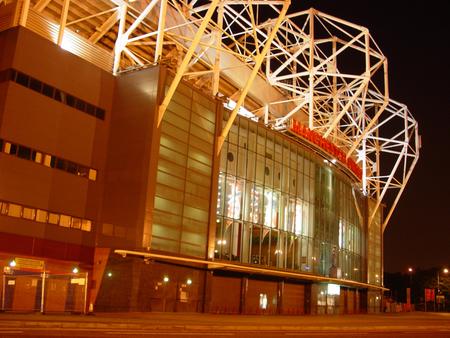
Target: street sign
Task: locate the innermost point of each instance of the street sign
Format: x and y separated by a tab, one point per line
429	295
29	264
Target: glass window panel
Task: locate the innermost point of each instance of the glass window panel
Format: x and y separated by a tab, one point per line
265	246
252	138
300	164
41	216
92	174
14	210
242	162
260	169
234	189
251	166
70	100
22	79
82	171
243	133
306	166
256	243
65	221
274	251
277	176
80	105
290	251
76	223
53	218
28	213
58	95
223	243
47	160
10	148
35	85
90	109
268	173
72	167
261	141
86	225
37	156
285	178
246	243
292	181
24	152
278	149
233	134
61	164
99	113
231	159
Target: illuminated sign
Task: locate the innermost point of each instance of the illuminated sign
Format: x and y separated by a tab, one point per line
333	289
298	129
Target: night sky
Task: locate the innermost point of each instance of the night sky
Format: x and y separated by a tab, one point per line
415	37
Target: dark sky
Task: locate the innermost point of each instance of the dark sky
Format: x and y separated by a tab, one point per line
415	37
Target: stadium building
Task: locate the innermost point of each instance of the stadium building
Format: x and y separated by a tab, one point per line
204	156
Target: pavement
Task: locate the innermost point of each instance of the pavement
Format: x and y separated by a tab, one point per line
198	322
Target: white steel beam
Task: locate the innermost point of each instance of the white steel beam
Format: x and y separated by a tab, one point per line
187	58
62	22
105	27
258	61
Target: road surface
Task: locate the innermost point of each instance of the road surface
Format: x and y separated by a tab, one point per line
435	325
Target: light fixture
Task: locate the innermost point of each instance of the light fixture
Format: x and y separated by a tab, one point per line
109	274
12	263
75	270
189	281
166	279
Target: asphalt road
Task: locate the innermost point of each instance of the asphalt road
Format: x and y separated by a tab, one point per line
206	325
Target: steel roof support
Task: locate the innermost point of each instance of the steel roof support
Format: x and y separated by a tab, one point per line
259	58
187	58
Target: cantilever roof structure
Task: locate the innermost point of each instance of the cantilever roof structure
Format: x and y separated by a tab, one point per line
326	73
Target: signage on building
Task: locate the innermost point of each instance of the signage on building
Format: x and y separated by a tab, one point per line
29	264
317	139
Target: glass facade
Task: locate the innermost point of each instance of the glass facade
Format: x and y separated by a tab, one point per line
183	180
279	205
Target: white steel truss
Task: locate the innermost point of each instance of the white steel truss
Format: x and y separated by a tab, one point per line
326	73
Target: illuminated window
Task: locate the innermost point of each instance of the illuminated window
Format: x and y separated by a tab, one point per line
10	148
53	218
47	160
65	221
28	213
14	210
263	301
41	216
92	174
36	156
4	208
76	223
86	225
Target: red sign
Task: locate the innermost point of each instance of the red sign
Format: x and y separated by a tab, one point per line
429	295
331	148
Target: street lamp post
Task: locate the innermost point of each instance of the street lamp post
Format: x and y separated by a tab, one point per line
409	290
445	271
